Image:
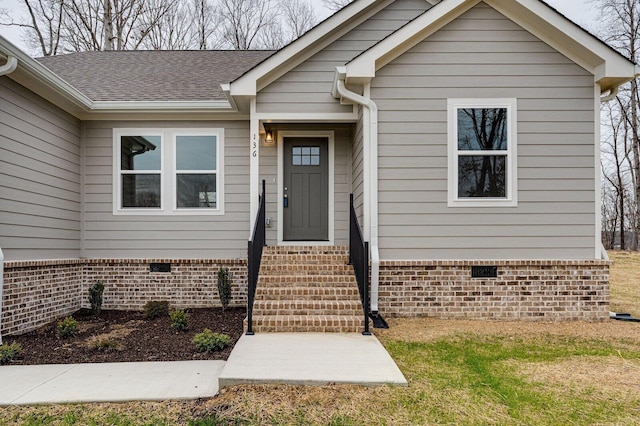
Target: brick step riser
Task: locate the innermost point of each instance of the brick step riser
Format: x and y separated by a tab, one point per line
308	324
301	312
351	296
281	269
307	281
315	258
307	250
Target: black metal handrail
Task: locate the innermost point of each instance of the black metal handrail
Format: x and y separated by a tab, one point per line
254	257
359	259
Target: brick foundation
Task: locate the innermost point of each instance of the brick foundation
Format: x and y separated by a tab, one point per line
524	290
38	292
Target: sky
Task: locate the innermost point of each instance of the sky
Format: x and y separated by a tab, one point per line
579	11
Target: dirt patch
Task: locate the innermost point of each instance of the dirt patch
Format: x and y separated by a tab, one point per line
124	336
614	376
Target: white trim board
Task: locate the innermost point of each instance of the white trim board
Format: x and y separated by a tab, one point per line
330	135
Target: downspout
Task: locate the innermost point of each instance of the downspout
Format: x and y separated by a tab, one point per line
10	66
340	90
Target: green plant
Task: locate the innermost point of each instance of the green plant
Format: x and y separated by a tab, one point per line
179	319
224	287
156	309
67	327
104	344
208	341
95	296
9	352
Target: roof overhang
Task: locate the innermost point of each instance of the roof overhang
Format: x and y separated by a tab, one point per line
610	69
46	84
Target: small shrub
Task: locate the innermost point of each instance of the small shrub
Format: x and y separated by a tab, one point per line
156	309
95	296
9	352
179	319
67	327
208	341
224	287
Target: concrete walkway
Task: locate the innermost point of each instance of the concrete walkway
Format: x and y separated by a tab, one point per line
285	358
108	382
310	359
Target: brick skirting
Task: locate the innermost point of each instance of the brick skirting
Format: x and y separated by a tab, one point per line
524	289
38	292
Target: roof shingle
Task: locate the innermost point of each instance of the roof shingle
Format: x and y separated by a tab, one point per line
150	75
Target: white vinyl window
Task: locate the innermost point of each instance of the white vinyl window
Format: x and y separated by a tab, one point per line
168	171
482	152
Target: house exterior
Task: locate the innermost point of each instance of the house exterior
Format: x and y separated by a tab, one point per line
467	130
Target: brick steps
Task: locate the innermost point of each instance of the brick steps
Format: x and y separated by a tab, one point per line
307	324
307	307
308	293
307	289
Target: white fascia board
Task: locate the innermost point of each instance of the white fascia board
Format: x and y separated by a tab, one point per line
568	38
34	70
365	65
303	47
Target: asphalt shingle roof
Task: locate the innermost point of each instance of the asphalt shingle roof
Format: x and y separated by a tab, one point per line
148	75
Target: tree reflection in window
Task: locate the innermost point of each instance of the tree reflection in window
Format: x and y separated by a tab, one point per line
482	152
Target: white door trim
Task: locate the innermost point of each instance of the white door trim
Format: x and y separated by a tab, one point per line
329	134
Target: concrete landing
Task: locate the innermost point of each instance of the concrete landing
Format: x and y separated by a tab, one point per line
310	359
108	382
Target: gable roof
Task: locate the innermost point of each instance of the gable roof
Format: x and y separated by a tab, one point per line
608	66
153	75
536	16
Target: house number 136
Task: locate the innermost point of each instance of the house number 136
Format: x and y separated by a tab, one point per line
254	146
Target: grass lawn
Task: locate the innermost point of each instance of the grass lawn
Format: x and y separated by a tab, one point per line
625	282
459	372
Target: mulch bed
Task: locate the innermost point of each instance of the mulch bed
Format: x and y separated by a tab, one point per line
136	338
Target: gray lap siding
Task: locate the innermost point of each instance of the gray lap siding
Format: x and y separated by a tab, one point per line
473	57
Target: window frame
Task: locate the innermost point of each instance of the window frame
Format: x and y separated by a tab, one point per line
511	178
169	172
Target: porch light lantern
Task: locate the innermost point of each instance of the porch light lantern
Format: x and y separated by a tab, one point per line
268	137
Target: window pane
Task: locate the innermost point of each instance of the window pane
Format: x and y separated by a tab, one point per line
196	191
482	129
482	176
141	190
196	153
140	152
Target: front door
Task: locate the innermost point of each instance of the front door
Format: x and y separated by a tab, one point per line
306	189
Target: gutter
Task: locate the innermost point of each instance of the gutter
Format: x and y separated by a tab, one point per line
370	159
10	66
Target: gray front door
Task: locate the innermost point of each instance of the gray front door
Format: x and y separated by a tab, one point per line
306	189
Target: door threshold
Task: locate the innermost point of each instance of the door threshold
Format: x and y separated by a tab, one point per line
305	243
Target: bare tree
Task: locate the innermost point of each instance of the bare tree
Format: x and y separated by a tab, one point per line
620	27
172	31
335	4
205	20
298	17
44	24
57	26
242	21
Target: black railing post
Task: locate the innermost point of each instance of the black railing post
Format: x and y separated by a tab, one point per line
250	290
359	259
254	257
